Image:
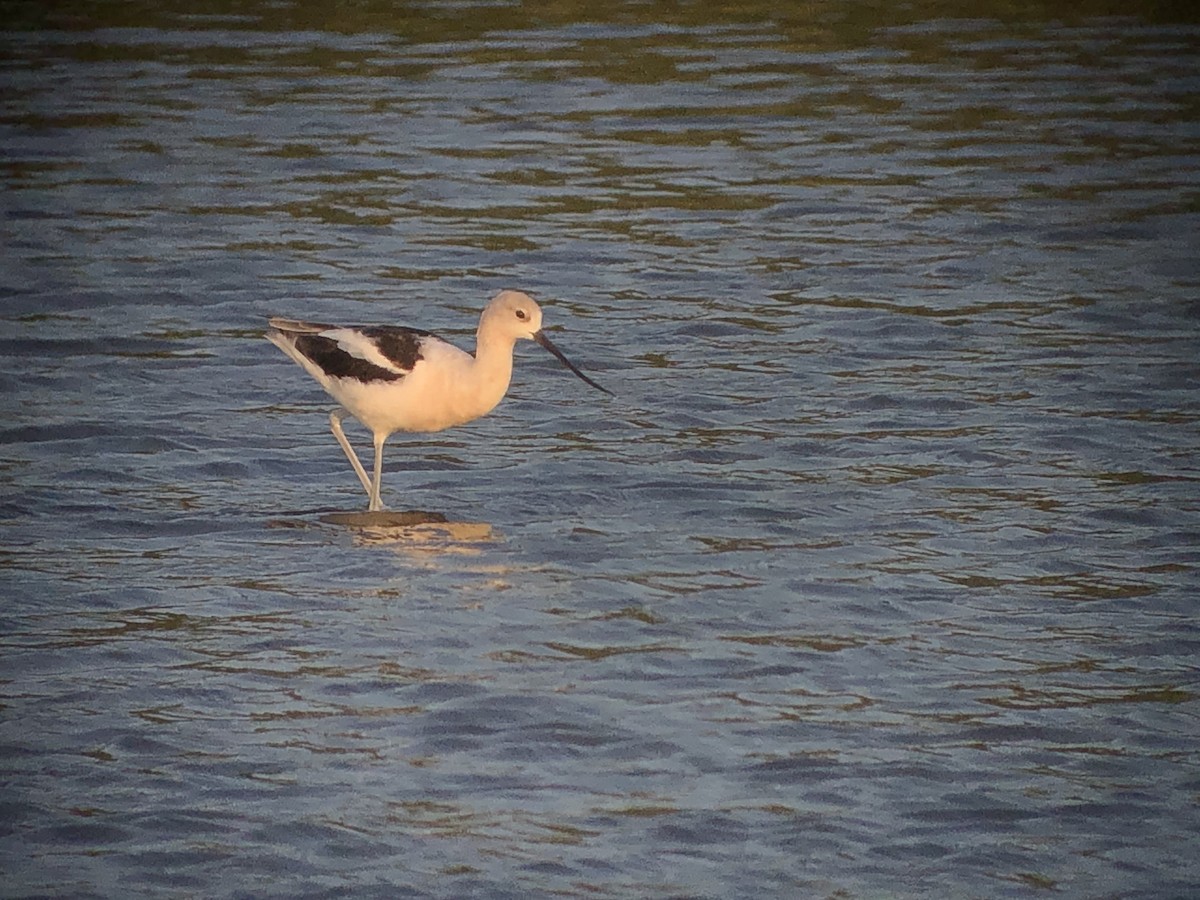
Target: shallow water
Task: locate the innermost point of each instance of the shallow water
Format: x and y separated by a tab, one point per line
877	577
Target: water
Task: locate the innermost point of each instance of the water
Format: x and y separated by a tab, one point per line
876	578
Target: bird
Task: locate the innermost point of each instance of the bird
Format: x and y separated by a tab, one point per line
391	378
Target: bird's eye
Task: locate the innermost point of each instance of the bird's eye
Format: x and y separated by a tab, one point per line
522	315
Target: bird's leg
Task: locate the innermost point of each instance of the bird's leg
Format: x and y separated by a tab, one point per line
377	502
335	424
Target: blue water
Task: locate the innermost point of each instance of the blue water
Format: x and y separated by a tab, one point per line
877	576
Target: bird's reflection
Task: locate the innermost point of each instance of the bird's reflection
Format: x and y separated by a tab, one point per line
414	530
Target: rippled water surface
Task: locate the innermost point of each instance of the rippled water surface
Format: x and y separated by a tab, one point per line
877	576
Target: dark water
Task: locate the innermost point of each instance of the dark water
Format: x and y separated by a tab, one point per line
878	577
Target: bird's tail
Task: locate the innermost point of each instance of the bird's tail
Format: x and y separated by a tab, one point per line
294	326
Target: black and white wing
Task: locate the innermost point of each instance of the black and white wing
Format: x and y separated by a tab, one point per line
366	354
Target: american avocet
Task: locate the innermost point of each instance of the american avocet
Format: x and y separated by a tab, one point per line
402	379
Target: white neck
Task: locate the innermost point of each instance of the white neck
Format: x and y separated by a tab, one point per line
493	366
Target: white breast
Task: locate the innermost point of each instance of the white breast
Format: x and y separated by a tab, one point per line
444	389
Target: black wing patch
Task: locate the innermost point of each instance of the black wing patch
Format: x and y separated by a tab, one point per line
400	346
